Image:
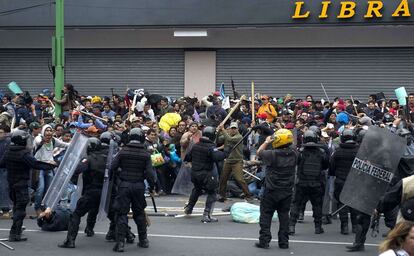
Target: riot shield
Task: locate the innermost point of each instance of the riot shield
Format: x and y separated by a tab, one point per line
65	171
372	170
183	184
103	210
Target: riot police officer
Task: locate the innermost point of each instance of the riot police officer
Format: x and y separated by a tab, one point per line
93	175
18	161
107	138
279	181
362	220
203	156
312	161
135	163
340	165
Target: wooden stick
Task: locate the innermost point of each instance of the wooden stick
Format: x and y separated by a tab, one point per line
94	116
233	109
253	116
353	104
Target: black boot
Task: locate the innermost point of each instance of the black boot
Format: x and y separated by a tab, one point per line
319	229
68	243
207	218
110	236
356	248
262	245
89	231
130	237
144	243
17	238
188	209
291	230
326	220
119	247
344	228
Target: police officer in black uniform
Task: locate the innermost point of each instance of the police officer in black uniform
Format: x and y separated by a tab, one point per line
312	161
340	165
106	139
203	156
93	175
279	181
18	160
135	163
362	220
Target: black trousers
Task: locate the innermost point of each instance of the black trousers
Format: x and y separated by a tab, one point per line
89	201
343	214
303	193
363	220
130	196
19	194
204	181
275	200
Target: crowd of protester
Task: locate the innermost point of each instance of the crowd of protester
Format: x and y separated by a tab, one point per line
172	126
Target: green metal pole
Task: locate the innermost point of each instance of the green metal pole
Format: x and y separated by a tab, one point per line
58	53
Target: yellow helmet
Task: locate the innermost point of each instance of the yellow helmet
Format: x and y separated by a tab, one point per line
282	137
96	100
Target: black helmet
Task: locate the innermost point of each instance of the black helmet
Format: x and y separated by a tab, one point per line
106	138
137	134
310	136
348	136
402	132
19	137
210	133
94	144
316	129
360	135
388	118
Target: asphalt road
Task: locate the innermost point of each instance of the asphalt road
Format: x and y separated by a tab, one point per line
188	236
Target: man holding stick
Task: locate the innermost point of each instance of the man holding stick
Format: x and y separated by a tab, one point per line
234	162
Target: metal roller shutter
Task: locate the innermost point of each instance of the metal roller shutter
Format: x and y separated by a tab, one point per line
343	71
95	71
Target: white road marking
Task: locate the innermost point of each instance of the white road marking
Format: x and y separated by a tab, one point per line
219	238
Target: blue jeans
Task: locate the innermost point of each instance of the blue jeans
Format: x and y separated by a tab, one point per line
45	178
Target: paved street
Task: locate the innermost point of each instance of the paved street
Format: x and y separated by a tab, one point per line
188	236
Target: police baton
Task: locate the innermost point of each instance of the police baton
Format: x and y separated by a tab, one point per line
153	203
338	210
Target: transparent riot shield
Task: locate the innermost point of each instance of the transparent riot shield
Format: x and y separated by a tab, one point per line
183	184
372	170
65	170
103	209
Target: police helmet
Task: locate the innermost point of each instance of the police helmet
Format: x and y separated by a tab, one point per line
106	138
94	144
348	136
316	129
402	132
19	137
388	118
137	134
209	132
310	136
360	135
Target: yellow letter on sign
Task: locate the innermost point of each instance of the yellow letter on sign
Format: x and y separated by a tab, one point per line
347	10
324	11
374	7
298	10
402	8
